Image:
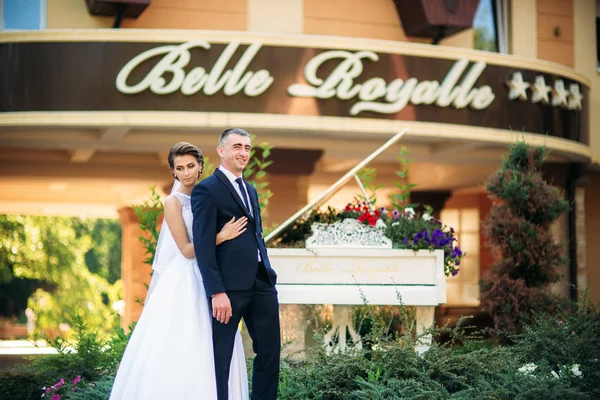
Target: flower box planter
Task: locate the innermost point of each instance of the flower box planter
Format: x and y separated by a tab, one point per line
337	275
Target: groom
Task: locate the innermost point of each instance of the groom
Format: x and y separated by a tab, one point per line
237	275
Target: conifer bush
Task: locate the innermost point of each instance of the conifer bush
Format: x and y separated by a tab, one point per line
518	229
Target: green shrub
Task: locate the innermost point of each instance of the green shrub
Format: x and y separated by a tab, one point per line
98	390
397	372
464	368
21	385
90	356
559	341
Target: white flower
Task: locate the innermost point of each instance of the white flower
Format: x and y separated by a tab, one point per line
576	371
527	369
554	374
409	212
427	217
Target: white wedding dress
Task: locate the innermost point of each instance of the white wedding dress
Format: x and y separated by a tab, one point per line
170	353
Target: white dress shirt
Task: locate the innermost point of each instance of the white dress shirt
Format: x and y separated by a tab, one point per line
235	185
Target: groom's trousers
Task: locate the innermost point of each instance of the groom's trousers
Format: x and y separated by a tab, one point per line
259	308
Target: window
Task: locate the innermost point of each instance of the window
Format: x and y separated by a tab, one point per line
23	14
463	289
490	26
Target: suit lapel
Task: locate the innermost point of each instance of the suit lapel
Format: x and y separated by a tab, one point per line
221	176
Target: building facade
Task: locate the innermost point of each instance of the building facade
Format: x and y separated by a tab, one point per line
90	104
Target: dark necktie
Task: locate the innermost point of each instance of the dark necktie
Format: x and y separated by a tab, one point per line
240	183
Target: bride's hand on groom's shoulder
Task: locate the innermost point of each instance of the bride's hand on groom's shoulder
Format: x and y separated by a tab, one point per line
232	229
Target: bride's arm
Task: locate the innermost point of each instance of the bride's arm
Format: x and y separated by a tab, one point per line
230	230
177	226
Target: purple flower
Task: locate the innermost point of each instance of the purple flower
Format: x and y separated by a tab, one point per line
456	252
396	214
55	397
455	272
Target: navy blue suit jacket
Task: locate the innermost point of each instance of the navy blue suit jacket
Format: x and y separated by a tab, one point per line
233	264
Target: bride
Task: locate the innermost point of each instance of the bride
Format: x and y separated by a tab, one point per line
170	353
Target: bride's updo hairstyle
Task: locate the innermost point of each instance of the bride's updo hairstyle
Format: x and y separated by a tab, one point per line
182	149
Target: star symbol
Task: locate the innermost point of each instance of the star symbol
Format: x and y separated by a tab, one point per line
540	90
559	94
575	97
518	87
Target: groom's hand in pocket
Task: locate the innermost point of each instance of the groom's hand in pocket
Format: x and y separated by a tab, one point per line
221	307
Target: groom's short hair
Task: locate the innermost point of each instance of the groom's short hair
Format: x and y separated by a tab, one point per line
231	131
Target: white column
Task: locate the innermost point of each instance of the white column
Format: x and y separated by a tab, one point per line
425	317
342	321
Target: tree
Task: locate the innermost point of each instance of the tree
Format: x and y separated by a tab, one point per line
43	267
518	229
483	40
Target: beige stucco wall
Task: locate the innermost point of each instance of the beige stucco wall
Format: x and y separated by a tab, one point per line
373	19
73	14
586	63
523	28
192	14
276	16
161	14
555	22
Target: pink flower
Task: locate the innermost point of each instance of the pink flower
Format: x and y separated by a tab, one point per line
55	397
60	383
76	380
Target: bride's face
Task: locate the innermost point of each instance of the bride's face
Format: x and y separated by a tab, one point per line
187	169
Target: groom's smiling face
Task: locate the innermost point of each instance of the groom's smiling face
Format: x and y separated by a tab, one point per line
235	153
